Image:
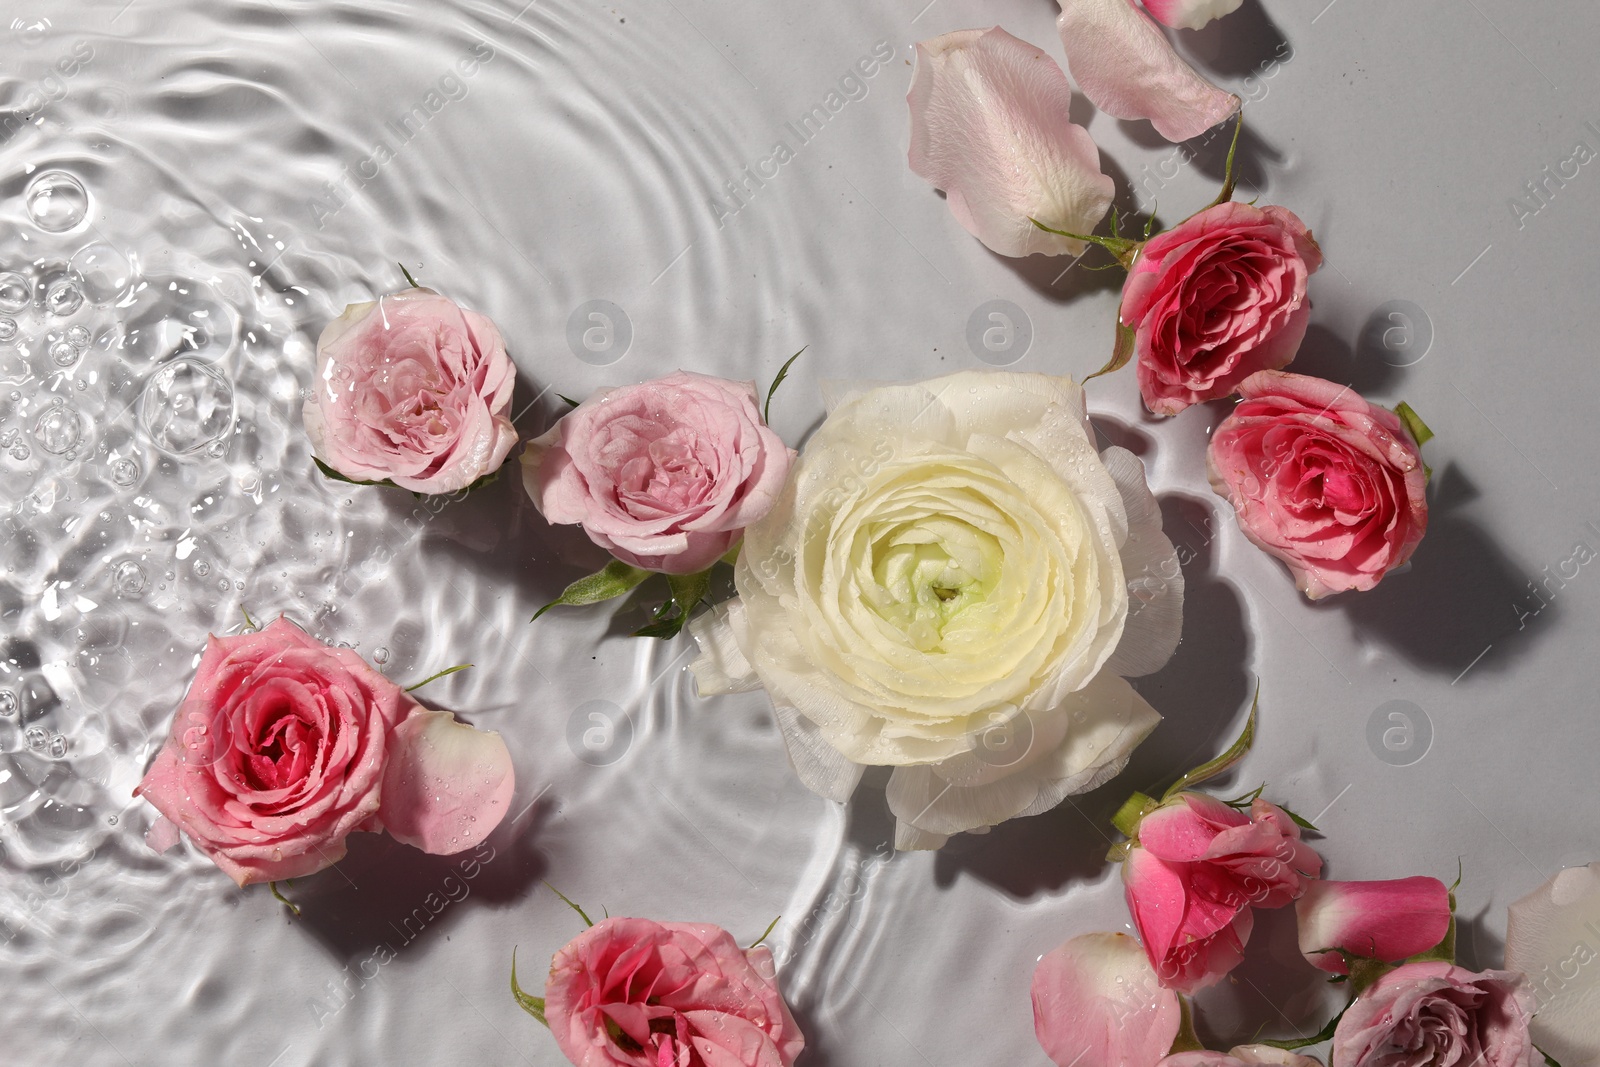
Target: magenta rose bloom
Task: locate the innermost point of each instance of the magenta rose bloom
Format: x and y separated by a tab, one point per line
412	389
1426	1014
637	993
1330	484
664	475
1215	299
1193	875
284	746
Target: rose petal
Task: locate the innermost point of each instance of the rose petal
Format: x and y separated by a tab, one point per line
1123	62
990	126
446	785
1551	936
1190	14
1087	994
1389	920
162	835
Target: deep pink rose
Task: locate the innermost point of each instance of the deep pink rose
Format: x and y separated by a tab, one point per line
1328	483
1215	299
1388	921
414	389
1432	1014
637	993
1195	872
1241	1056
284	746
665	475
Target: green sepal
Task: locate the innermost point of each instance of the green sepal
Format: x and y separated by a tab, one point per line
783	372
571	403
773	925
1549	1060
610	581
1413	423
409	279
1186	1040
1445	950
1132	812
687	592
436	677
1118	852
568	901
329	472
1123	248
529	1003
1230	179
1299	820
1364	972
1235	753
1121	351
1325	1034
731	556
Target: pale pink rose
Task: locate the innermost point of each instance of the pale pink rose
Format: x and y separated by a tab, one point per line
1190	14
1241	1056
1388	921
412	389
1216	298
1097	1003
284	746
1431	1014
1123	62
1193	875
637	993
664	475
1330	484
990	126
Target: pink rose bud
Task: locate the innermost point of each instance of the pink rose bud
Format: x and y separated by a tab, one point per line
637	993
284	746
1331	485
1216	298
990	126
1125	65
1197	869
1427	1014
1097	1003
412	389
1388	921
664	475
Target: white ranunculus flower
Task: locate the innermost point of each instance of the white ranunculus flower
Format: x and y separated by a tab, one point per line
954	583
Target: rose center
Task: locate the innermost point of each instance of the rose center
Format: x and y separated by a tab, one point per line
928	573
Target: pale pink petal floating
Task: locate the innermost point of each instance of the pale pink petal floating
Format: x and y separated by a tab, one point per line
1123	62
1097	1003
446	784
990	126
1190	14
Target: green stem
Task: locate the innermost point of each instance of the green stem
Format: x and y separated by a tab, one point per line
436	677
409	278
1230	179
1122	248
285	901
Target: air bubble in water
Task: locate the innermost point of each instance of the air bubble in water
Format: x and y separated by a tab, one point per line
64	353
57	201
37	737
186	406
202	568
58	747
15	292
8	703
58	430
78	336
20	452
124	472
105	272
129	579
8	329
380	656
64	296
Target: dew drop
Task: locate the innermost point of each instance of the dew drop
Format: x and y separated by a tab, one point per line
57	201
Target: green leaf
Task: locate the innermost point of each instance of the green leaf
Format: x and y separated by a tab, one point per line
1549	1060
612	580
783	372
1234	754
1121	247
1230	180
412	281
571	403
436	677
1303	823
1186	1040
773	925
581	914
285	901
1325	1034
329	472
1121	352
1132	812
1413	423
687	592
533	1005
